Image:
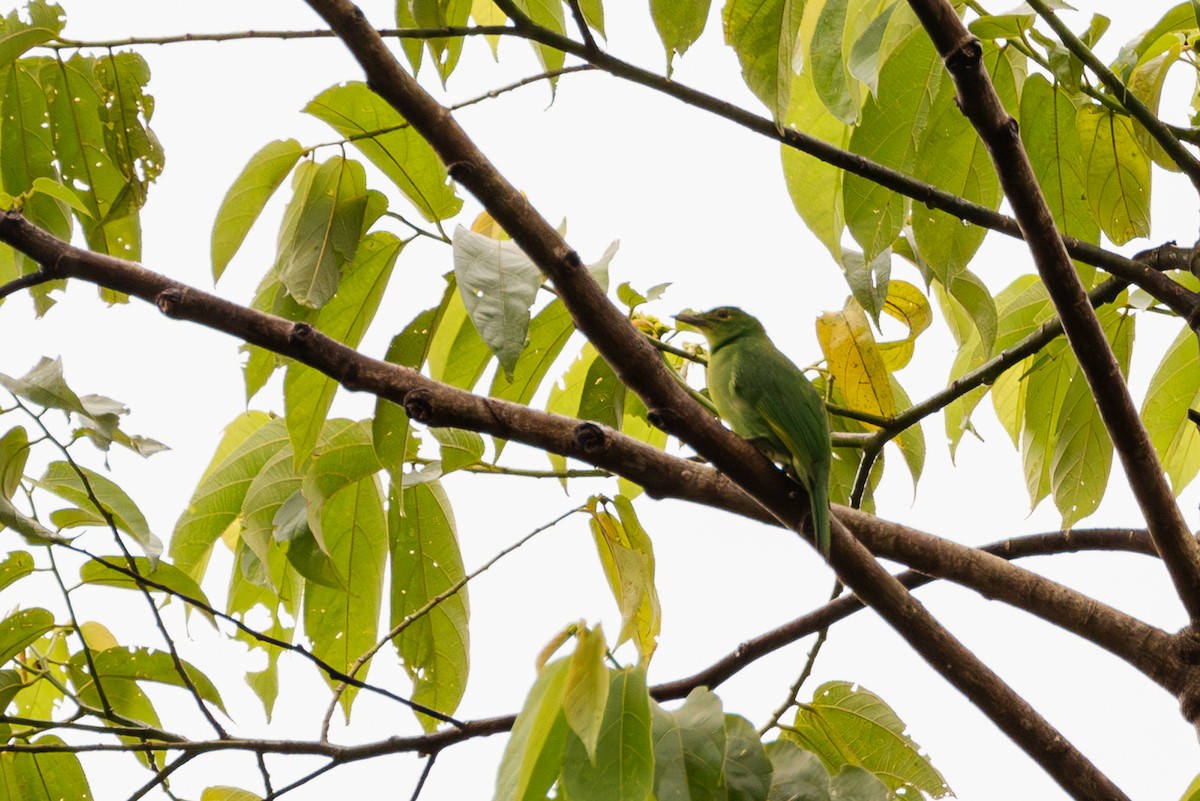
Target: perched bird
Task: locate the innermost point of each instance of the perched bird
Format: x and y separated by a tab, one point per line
767	400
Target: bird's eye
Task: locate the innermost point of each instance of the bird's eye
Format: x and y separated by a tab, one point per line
723	314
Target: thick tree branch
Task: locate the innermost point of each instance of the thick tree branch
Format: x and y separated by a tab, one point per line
641	369
977	98
661	474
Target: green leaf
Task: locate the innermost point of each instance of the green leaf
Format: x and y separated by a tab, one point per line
14	453
456	355
765	34
839	24
1082	448
689	748
61	193
1051	139
20	629
627	556
910	441
390	429
797	775
427	563
679	23
533	756
622	767
1174	389
546	14
17	565
246	198
747	771
97	571
221	793
442	14
344	623
144	664
893	125
33	531
847	725
815	186
1116	173
17	36
247	446
321	229
78	485
388	142
586	693
459	448
307	392
548	334
951	156
51	776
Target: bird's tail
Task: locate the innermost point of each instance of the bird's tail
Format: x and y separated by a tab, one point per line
819	498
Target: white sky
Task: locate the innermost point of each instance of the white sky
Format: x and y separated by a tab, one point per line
696	201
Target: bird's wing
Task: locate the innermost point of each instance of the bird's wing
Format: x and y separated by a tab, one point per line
793	409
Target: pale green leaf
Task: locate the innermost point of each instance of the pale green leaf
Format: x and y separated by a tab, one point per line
679	23
427	563
533	756
586	692
84	488
622	768
689	748
847	725
765	34
20	629
1174	389
1116	173
246	198
388	142
144	664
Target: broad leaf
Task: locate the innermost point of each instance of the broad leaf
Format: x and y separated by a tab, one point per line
533	756
426	564
245	199
622	766
679	23
689	748
1174	389
1116	173
765	34
84	488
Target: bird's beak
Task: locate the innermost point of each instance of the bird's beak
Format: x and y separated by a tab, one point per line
692	319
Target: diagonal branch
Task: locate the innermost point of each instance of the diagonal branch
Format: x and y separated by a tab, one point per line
662	475
977	98
640	368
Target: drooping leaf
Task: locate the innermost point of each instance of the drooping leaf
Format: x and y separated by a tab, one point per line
97	571
498	284
390	430
441	14
892	127
1174	389
14	453
15	566
627	557
307	392
545	14
50	776
906	304
679	23
246	198
343	623
426	563
855	363
1116	173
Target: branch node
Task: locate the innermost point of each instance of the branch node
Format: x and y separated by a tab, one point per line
168	300
967	56
656	418
301	335
418	405
569	258
457	169
591	437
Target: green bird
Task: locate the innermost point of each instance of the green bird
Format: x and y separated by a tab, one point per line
767	400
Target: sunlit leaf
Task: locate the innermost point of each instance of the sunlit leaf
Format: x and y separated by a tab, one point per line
622	767
1116	173
245	199
533	756
85	488
765	34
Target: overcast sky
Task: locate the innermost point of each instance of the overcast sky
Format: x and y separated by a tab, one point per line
695	201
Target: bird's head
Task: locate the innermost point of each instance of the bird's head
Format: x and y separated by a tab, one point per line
722	324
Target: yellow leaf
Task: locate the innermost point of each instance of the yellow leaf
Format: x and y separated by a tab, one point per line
855	363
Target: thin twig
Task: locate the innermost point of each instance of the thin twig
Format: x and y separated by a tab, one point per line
429	606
